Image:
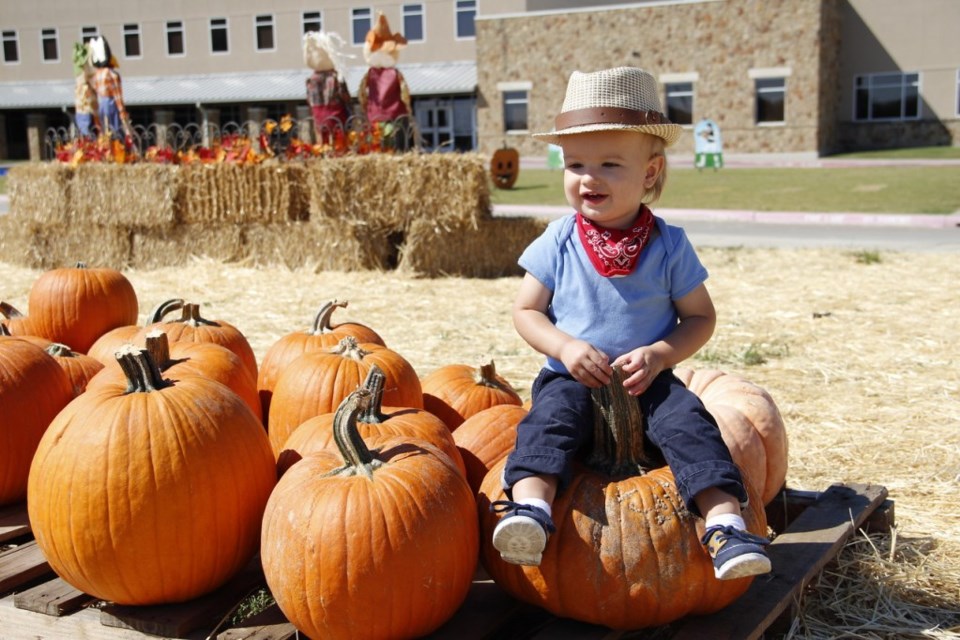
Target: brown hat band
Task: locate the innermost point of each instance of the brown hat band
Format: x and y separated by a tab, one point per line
608	115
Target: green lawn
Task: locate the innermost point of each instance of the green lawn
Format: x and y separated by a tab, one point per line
898	189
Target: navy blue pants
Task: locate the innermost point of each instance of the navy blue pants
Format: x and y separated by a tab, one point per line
560	424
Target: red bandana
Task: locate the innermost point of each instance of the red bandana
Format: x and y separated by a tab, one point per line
614	252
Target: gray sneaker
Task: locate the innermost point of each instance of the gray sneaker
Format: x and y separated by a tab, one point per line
522	534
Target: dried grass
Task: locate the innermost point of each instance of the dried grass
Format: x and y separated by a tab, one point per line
862	359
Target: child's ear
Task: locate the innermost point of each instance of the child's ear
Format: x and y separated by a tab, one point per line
654	169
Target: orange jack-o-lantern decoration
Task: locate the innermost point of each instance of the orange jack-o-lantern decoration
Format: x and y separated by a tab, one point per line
504	167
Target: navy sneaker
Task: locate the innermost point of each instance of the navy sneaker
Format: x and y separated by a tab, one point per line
522	534
736	553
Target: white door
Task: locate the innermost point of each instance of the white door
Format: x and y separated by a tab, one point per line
435	119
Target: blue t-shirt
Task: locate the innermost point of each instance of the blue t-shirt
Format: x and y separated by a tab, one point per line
615	315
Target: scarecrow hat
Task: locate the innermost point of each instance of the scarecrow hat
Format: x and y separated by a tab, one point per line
379	37
623	98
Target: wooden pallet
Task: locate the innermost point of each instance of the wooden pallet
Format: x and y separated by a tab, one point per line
811	529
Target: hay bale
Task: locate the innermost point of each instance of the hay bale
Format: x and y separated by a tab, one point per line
41	246
152	248
337	245
390	192
241	194
132	195
490	250
40	191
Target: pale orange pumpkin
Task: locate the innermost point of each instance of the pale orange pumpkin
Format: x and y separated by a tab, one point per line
80	368
457	391
105	348
486	437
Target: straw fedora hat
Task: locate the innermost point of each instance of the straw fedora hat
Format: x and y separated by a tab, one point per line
623	98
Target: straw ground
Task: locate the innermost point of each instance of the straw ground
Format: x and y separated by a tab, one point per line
859	350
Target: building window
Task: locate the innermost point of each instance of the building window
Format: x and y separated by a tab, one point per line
679	102
515	110
131	41
219	36
413	22
312	21
263	27
466	12
11	48
770	95
887	96
49	45
88	33
175	43
362	22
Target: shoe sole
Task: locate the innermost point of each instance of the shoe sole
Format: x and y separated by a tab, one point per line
520	540
749	564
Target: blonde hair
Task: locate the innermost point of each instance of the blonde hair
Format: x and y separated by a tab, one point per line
658	147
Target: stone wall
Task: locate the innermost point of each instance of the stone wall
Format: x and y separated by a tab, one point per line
720	41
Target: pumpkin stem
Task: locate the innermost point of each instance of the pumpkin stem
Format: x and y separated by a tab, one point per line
158	344
162	310
617	431
373	414
357	457
348	347
488	376
60	350
143	374
321	323
191	316
4	329
9	311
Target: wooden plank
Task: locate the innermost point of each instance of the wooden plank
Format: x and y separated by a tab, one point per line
53	598
269	624
486	609
13	522
178	620
798	555
20	565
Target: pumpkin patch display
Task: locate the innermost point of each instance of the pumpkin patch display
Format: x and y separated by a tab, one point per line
370	543
317	433
317	382
77	305
457	391
150	490
623	529
33	390
505	167
486	438
322	335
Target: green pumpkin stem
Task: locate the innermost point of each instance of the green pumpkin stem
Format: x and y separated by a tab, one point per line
357	457
321	323
617	431
373	414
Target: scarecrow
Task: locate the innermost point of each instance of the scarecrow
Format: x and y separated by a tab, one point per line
85	97
384	95
327	93
106	81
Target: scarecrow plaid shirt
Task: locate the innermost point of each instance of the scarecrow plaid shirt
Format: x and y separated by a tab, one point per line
107	83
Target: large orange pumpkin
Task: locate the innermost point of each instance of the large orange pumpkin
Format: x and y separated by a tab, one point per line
192	327
487	437
370	544
322	335
16	323
457	391
624	533
79	367
105	348
316	434
153	494
77	305
317	382
33	390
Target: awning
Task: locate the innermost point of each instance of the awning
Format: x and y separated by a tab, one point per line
425	79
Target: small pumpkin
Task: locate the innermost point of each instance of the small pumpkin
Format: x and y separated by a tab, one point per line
151	490
16	323
317	382
321	335
77	305
316	434
486	438
33	390
79	367
376	542
457	391
505	167
106	346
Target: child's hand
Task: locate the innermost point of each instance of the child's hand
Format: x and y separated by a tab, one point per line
641	365
588	365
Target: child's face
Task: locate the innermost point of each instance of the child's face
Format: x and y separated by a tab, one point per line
607	173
